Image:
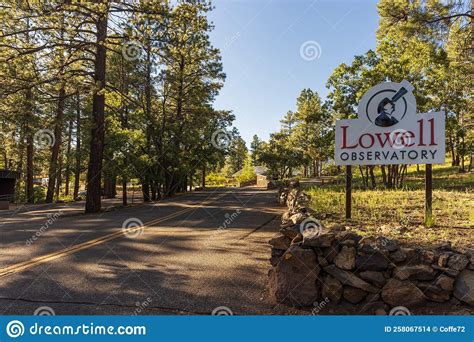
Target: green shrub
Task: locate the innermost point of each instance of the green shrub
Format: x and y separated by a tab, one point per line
248	172
216	179
39	194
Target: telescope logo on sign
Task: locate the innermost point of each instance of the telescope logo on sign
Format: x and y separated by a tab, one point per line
389	131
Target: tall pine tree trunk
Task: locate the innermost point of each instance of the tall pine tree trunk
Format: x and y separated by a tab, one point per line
53	174
94	171
29	138
204	176
68	158
53	164
59	177
146	181
29	147
77	170
124	191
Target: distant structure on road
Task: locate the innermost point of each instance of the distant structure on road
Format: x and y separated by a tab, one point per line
261	172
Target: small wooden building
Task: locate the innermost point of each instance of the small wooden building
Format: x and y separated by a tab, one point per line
7	187
261	181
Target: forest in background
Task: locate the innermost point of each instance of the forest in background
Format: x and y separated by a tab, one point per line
117	94
109	92
428	43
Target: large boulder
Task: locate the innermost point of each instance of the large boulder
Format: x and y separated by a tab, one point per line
354	295
293	280
443	259
276	255
298	218
427	256
382	245
347	238
373	277
458	262
445	283
348	278
282	195
331	289
371	262
464	287
411	254
418	272
435	295
449	271
285	218
402	293
439	290
330	253
345	259
290	232
280	241
323	240
398	256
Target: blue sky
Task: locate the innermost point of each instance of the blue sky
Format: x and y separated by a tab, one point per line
261	40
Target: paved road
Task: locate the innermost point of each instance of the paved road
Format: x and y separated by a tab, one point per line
195	253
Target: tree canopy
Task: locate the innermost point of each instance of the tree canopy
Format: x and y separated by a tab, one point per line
114	92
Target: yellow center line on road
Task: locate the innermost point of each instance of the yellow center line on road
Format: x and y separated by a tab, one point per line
22	266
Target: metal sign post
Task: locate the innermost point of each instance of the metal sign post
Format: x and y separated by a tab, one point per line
428	193
348	191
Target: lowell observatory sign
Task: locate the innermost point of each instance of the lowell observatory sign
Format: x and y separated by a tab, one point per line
389	131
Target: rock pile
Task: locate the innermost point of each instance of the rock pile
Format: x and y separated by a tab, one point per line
311	263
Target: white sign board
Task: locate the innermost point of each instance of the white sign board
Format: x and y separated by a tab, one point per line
389	131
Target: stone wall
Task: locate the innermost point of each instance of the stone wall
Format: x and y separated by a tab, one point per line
312	263
247	183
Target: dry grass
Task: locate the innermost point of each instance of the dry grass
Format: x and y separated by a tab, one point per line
399	214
